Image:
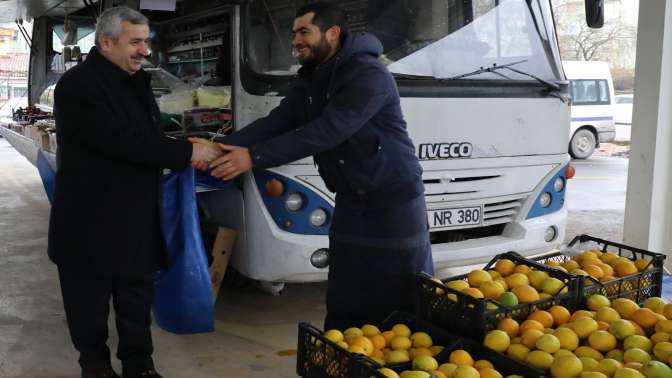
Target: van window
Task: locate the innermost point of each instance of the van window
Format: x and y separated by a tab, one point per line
590	92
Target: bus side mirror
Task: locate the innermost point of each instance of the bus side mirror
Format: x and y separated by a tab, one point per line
595	13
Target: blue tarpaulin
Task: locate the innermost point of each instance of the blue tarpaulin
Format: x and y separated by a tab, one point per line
183	300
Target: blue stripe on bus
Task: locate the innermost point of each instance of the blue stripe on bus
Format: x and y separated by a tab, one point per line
578	119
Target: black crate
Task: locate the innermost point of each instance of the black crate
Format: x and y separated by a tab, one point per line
470	316
638	286
318	357
451	342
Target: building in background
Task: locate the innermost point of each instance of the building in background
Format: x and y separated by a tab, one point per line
14	60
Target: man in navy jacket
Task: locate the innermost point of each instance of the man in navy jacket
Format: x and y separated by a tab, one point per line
345	111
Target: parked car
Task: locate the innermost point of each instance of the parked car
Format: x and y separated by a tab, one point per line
592	91
623	108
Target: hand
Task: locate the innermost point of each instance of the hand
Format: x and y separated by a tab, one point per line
204	151
233	163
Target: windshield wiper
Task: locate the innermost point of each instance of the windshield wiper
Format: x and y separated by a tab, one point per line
495	67
411	76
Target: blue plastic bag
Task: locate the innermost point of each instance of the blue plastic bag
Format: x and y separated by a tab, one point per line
183	300
47	174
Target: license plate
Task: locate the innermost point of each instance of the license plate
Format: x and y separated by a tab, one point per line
460	216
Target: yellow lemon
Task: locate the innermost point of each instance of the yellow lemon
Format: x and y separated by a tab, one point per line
477	277
607	314
400	343
663	350
401	330
369	330
621	328
589	364
352	333
548	343
608	366
636	355
539	359
628	373
334	335
602	341
585	351
491	289
597	301
389	373
518	352
552	285
659	337
466	371
424	363
568	338
396	357
637	341
364	343
482	364
624	306
584	327
517	279
657	304
489	373
448	369
421	340
458	285
497	340
615	354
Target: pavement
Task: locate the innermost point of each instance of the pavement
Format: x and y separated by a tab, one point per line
255	334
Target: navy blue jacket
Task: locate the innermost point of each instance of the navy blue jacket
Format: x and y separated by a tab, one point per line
347	114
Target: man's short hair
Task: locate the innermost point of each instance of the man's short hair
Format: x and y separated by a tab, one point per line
110	21
326	15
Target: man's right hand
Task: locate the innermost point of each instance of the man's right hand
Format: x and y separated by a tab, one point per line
203	152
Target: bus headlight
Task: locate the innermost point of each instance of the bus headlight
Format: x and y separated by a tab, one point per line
294	202
545	199
550	234
318	217
559	184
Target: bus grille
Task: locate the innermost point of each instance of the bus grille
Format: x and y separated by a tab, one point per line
502	212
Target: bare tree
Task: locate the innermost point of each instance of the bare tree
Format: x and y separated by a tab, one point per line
595	44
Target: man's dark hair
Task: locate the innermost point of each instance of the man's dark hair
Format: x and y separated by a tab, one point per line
326	15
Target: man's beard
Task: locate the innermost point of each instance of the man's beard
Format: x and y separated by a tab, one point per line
319	53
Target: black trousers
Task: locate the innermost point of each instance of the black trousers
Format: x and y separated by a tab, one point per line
87	305
373	256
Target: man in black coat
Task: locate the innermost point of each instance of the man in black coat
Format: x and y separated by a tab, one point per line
105	225
344	110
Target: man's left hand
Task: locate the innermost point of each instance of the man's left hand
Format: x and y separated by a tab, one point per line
236	160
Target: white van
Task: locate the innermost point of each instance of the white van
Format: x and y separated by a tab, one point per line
592	91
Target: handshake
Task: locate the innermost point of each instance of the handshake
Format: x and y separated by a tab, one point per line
226	161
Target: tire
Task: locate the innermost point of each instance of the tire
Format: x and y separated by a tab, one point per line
582	144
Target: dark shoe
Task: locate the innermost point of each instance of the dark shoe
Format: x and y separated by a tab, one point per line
106	373
149	373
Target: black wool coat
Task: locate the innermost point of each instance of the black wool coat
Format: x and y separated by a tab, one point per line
106	212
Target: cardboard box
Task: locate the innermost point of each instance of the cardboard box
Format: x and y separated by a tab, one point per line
221	253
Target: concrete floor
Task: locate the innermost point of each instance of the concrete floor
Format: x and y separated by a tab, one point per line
255	334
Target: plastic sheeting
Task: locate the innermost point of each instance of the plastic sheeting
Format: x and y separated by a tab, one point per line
183	294
47	174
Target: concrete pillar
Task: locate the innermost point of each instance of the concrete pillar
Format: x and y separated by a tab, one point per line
648	208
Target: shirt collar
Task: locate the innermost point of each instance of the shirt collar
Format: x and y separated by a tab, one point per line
110	69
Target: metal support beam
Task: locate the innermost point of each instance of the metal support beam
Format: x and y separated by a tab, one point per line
648	209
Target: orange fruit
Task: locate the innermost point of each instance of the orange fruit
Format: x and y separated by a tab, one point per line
625	307
460	357
560	314
645	317
505	267
667	311
594	271
378	341
606	269
477	277
570	265
531	324
525	293
602	325
625	268
388	335
509	326
524	269
530	337
483	364
543	317
641	264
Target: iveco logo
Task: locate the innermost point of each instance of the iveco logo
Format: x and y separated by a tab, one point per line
432	151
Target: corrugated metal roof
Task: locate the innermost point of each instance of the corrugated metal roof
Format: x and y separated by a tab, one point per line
14	64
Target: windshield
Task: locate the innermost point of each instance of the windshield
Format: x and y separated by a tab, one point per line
429	38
